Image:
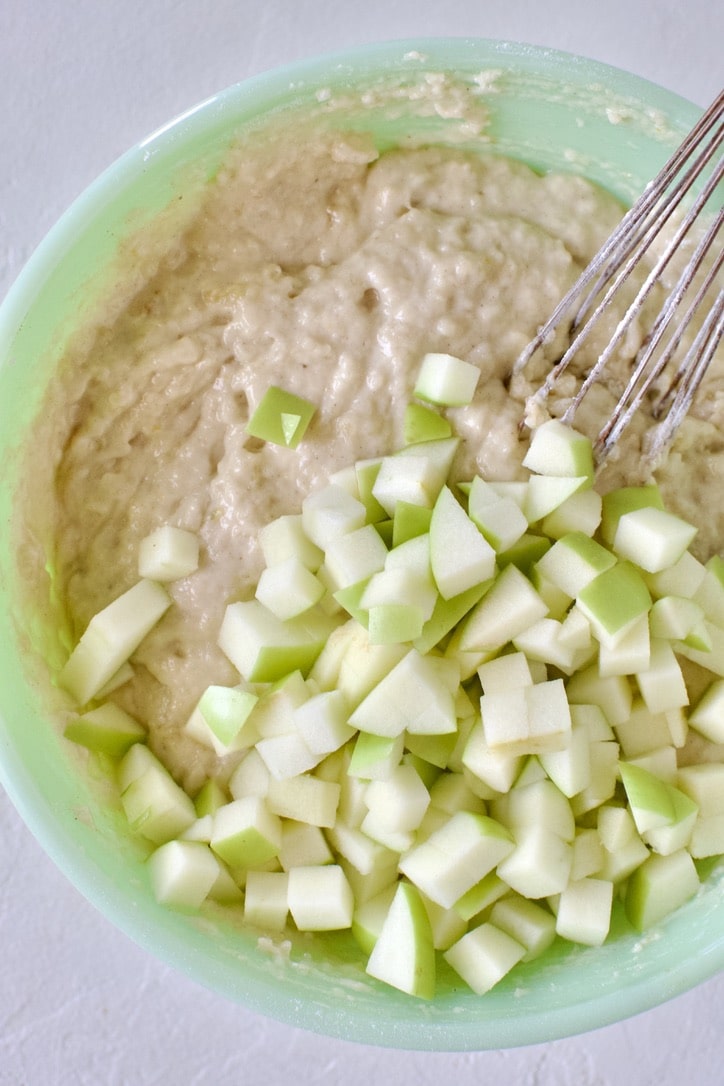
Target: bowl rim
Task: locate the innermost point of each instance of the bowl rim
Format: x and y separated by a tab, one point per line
36	809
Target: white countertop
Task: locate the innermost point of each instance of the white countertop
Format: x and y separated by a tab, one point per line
80	1005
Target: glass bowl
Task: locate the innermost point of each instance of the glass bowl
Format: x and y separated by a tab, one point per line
548	108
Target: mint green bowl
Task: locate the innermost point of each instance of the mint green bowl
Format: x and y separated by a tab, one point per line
548	108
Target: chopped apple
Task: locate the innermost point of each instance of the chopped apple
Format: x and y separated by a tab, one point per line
652	538
540	864
507	609
547	492
557	449
613	602
409	522
413	696
424	424
460	556
111	637
579	513
483	956
107	729
456	856
584	911
246	834
304	798
155	806
501	520
404	954
266	899
182	873
355	557
662	683
263	648
527	720
529	923
168	553
659	886
320	898
285	538
413	480
288	589
280	417
574	561
446	380
707	716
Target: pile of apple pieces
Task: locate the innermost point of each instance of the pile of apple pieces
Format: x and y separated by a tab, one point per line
459	716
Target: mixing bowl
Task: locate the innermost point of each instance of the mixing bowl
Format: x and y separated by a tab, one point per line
547	108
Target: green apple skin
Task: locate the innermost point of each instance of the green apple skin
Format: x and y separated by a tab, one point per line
404	953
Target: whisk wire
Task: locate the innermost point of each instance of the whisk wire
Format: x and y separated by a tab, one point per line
591	296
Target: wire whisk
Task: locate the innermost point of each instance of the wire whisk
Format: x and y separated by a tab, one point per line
694	298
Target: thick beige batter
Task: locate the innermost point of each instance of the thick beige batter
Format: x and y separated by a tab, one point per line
317	265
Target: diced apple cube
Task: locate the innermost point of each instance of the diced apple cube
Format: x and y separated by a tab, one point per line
320	898
662	684
541	642
246	834
280	417
644	731
611	694
574	561
303	845
630	655
456	856
155	806
546	493
570	767
168	553
579	513
107	729
285	538
375	756
658	887
540	864
265	899
625	500
404	954
613	601
288	588
527	720
424	424
494	768
414	696
557	449
529	923
652	538
501	520
507	609
460	556
409	522
505	673
536	802
304	798
674	617
263	648
413	479
111	637
446	380
322	722
707	716
400	801
604	775
182	873
584	911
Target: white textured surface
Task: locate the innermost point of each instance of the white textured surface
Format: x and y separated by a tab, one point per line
80	1005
